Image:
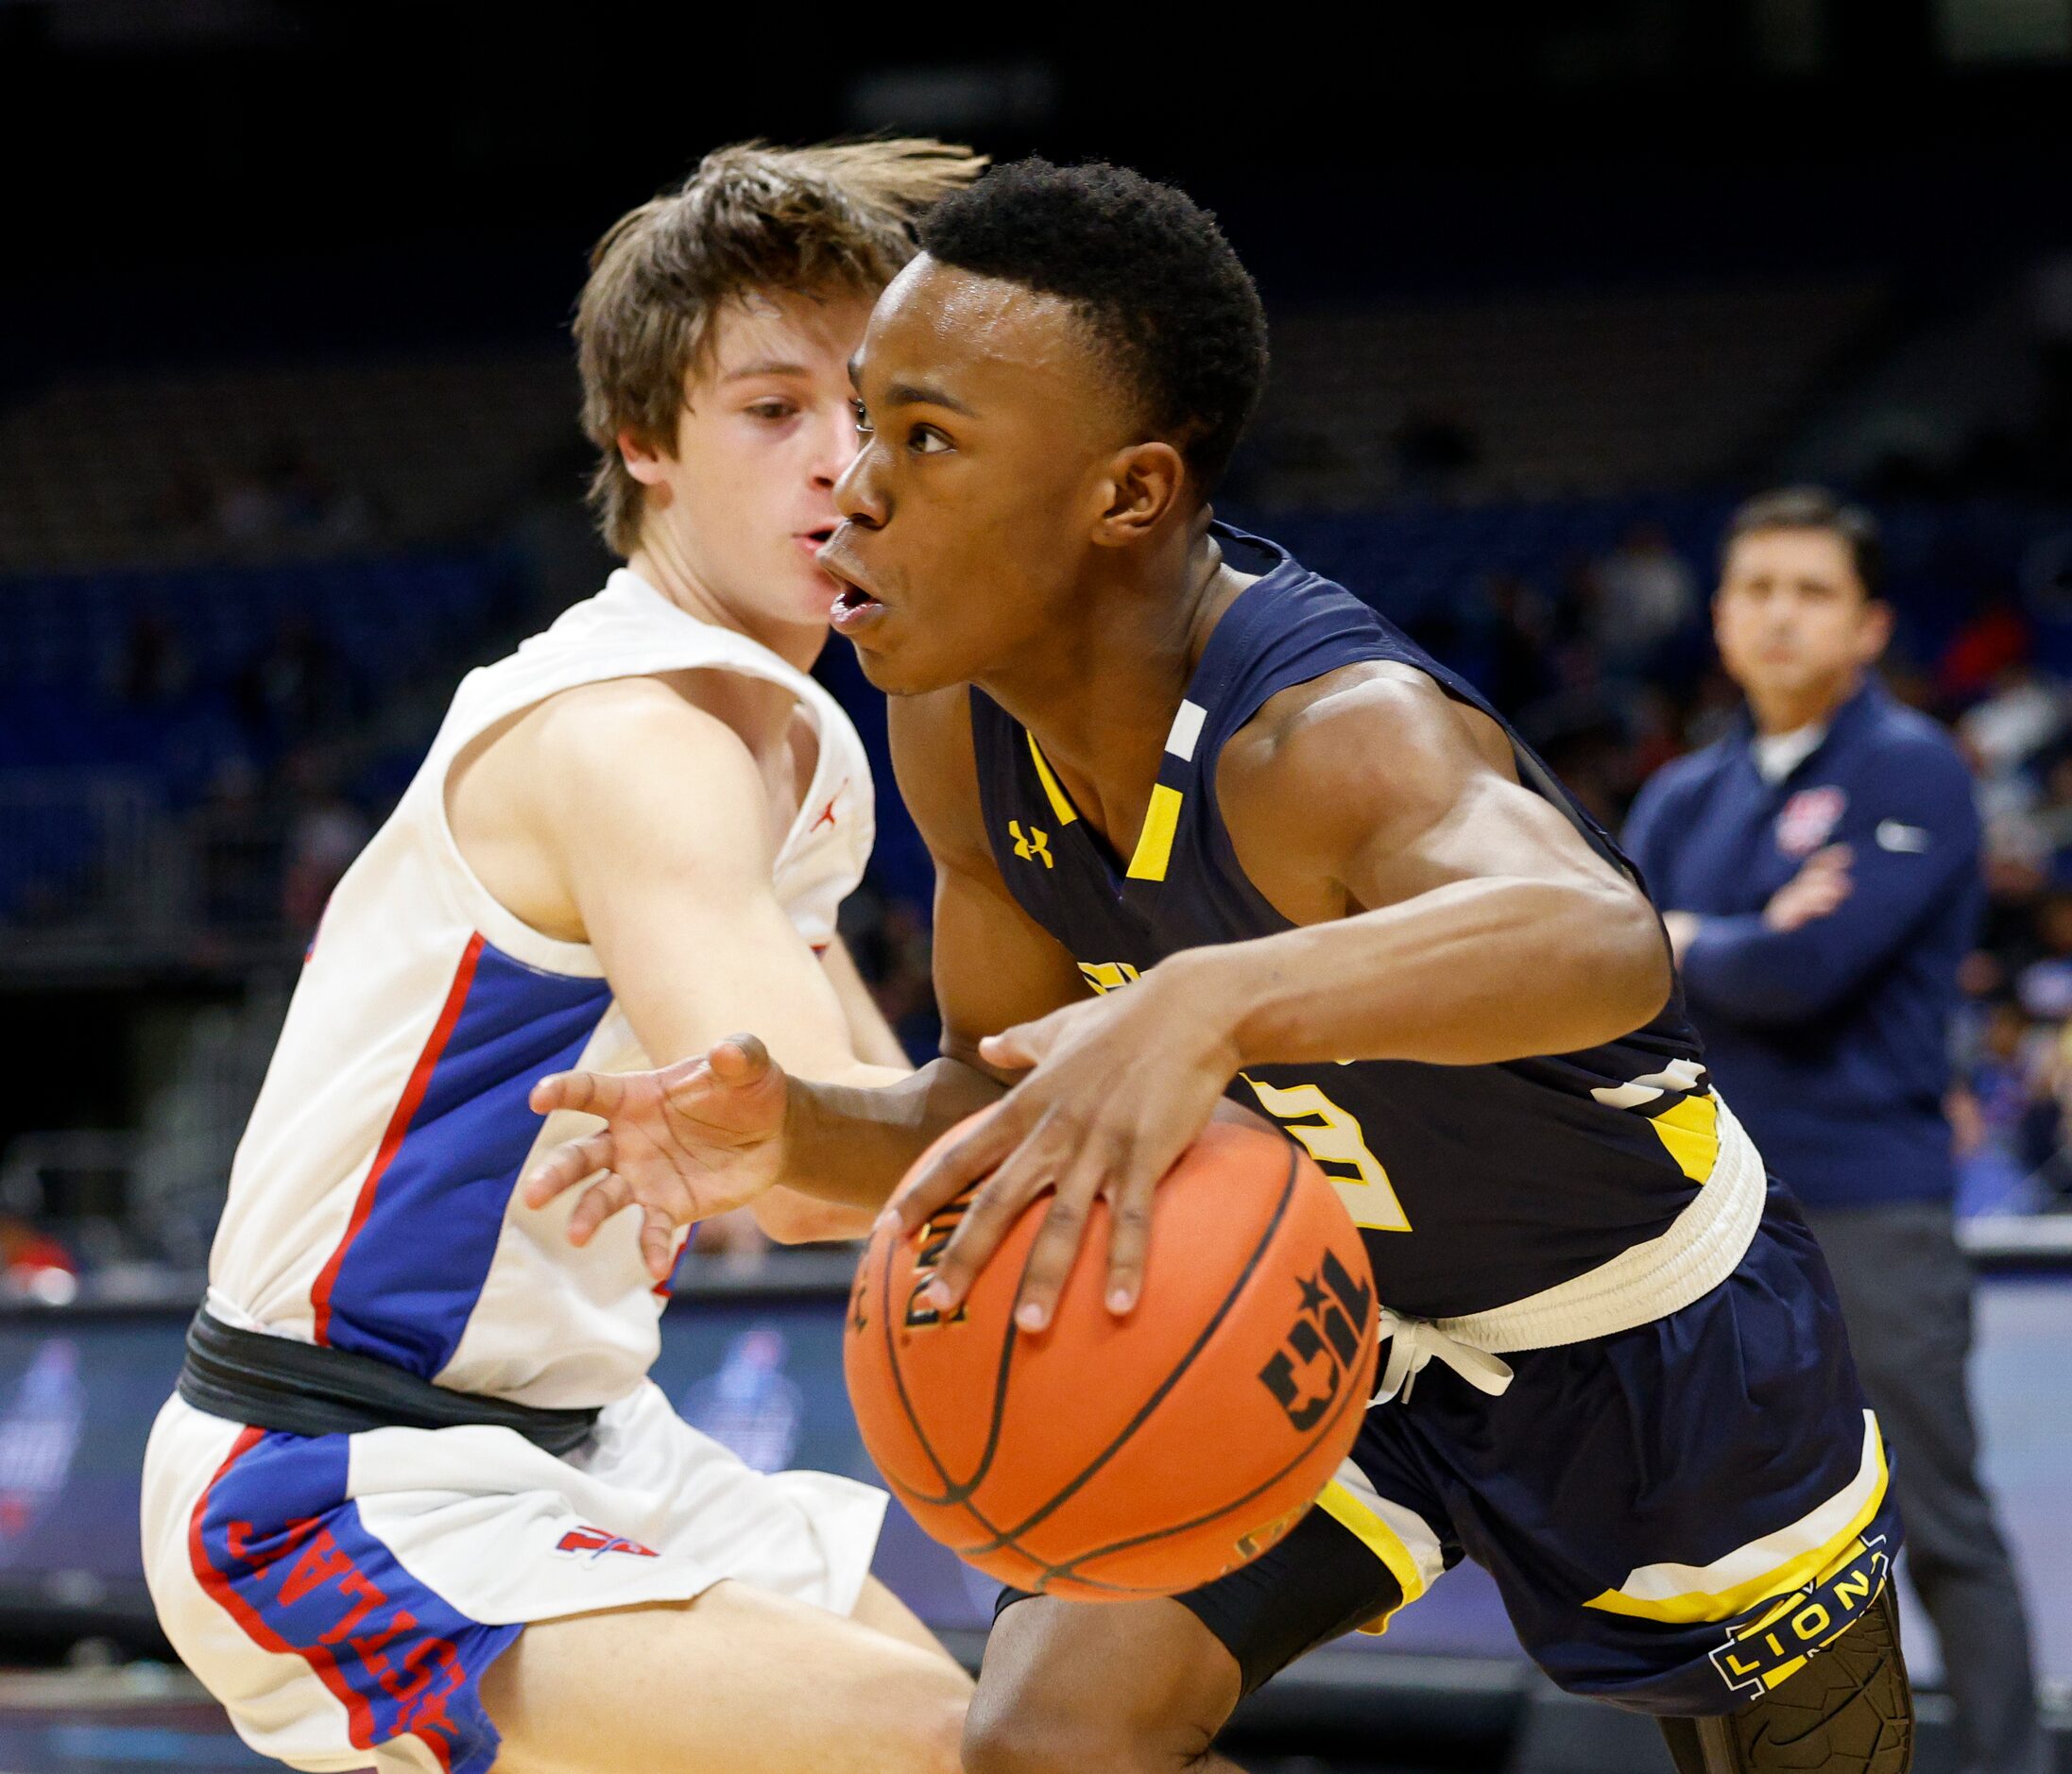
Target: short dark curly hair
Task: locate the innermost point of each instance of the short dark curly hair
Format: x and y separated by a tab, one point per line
1148	269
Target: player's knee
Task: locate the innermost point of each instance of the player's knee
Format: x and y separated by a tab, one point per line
1032	1731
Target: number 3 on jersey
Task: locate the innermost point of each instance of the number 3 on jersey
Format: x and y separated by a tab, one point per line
1335	1141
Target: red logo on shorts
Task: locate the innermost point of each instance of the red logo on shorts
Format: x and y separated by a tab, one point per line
1808	816
591	1543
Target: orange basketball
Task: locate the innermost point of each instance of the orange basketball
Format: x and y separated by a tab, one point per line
1107	1459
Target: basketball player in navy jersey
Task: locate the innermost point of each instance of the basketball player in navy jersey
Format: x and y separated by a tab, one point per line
1206	826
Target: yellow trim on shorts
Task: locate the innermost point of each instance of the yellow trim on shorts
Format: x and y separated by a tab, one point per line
1698	1604
1338	1501
1154	843
1060	802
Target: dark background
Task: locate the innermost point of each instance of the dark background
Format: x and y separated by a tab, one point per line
287	443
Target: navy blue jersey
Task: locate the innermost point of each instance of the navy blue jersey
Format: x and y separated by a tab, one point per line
1475	1185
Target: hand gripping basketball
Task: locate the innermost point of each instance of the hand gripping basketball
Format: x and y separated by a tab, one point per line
1114	1090
694	1139
1108	1458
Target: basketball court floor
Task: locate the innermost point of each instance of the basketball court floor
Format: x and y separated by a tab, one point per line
148	1716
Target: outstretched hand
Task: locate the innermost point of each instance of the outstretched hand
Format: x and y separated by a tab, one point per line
684	1143
1116	1089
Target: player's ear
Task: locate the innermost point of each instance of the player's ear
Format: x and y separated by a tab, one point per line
1140	489
643	460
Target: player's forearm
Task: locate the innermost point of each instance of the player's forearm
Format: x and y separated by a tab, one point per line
1469	974
851	1143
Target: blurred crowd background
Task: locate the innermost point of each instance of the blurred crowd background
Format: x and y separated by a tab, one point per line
287	443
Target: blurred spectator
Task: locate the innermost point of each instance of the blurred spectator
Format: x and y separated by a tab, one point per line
888	939
2004	1109
325	832
2027	816
1989	653
1646	596
238	847
153	668
1819	867
286	499
34	1262
295	689
2023	712
1521	627
2043	985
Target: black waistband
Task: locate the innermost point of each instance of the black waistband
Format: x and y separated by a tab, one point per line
300	1389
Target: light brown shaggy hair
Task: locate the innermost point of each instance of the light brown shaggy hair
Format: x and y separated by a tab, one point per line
833	219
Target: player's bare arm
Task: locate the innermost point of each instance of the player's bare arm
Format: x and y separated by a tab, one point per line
994	967
577	817
739	1112
1448	914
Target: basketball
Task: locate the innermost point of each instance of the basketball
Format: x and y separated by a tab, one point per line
1109	1459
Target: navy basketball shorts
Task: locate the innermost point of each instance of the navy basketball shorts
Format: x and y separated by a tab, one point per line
1676	1516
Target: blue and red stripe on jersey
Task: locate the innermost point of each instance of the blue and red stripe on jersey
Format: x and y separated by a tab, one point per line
405	1279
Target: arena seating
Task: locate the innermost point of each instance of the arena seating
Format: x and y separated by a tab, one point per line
1547	396
265	463
84	746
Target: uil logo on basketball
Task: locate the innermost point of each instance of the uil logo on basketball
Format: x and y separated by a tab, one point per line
1033	847
1314	1363
1773	1647
935	1235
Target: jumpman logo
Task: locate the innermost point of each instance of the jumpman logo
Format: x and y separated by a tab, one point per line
827	812
1035	847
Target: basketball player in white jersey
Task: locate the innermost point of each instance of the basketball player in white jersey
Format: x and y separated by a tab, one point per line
417	1503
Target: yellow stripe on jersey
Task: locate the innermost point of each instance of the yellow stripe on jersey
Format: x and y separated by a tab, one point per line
1060	804
1154	843
1777	1563
1690	1129
1360	1517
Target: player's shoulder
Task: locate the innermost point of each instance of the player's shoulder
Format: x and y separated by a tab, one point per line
1902	735
1901	761
628	762
1329	733
634	724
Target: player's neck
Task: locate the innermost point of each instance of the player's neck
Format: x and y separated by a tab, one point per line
1777	711
758	709
1100	699
663	567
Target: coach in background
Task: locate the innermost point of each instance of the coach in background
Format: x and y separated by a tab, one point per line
1822	862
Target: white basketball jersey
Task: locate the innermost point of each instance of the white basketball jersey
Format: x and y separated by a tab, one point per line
372	1203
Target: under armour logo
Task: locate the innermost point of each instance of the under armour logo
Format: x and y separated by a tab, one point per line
1034	847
